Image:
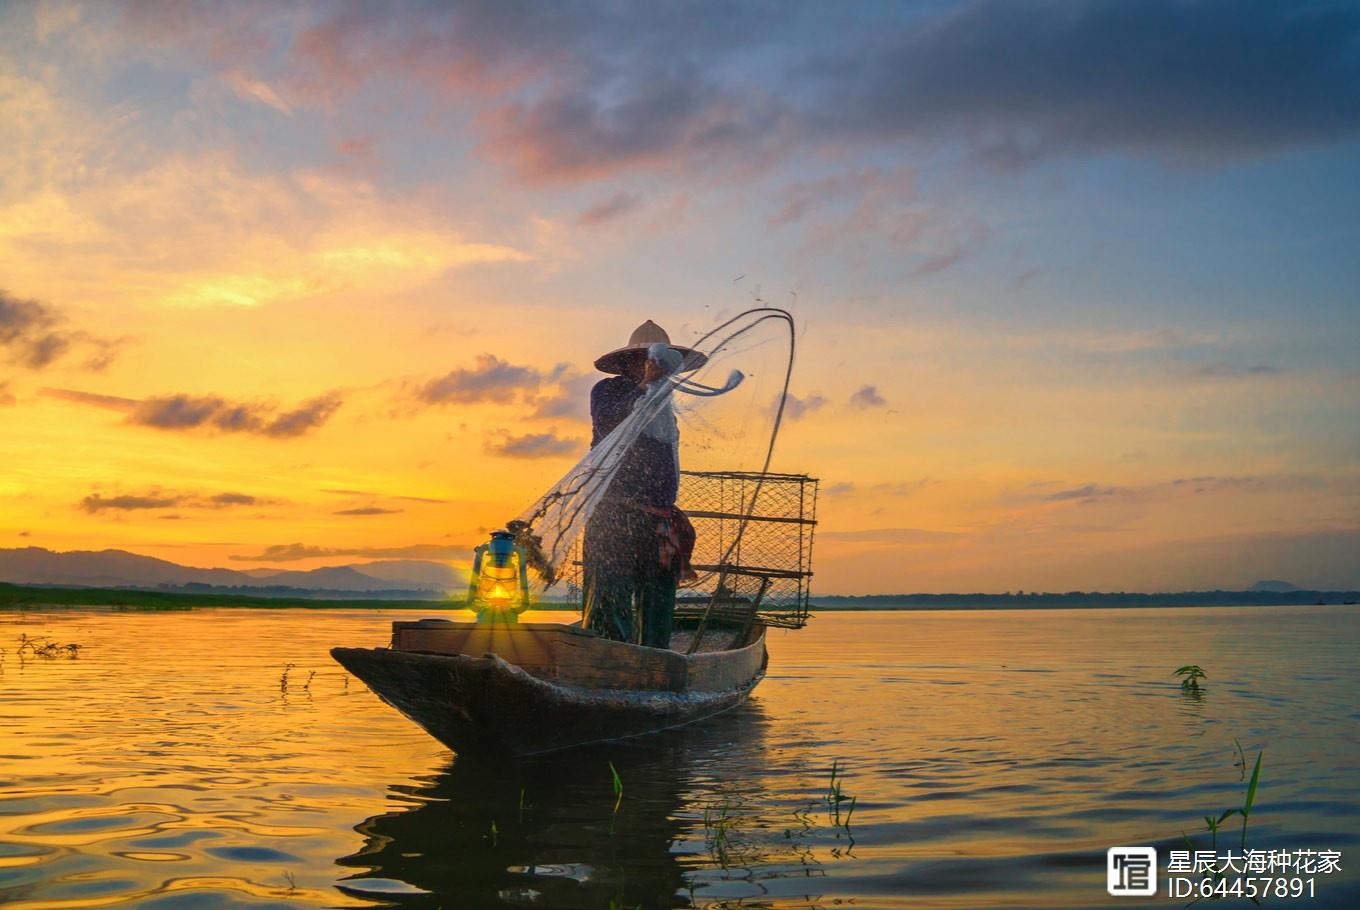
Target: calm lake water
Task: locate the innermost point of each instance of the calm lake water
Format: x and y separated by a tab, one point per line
993	757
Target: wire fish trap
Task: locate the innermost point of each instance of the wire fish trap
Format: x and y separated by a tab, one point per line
753	548
753	552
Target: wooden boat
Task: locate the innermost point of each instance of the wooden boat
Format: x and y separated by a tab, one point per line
526	688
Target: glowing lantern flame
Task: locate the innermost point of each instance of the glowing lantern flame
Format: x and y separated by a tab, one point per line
499	578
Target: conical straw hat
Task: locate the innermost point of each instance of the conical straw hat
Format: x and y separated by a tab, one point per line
643	337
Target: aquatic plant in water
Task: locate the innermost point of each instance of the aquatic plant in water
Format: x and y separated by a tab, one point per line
1214	825
41	646
835	796
618	787
1190	675
718	824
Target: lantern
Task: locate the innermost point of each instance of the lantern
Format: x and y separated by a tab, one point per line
499	587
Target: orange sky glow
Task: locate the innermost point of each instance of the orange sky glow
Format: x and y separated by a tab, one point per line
234	278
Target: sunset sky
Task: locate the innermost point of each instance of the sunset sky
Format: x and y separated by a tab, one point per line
1078	284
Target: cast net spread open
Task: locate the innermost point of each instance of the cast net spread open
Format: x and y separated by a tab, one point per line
718	410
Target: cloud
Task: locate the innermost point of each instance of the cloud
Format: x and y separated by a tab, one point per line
161	499
368	510
570	400
249	89
235	499
658	118
1087	493
188	412
532	445
879	491
867	397
111	402
1221	370
6	396
615	206
902	487
796	408
345	492
305	417
192	412
492	379
292	552
1024	78
580	91
32	336
889	536
97	503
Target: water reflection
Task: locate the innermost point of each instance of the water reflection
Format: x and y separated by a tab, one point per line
545	832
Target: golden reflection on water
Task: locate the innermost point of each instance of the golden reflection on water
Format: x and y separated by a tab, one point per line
992	757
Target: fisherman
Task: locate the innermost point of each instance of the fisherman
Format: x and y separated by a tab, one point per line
633	553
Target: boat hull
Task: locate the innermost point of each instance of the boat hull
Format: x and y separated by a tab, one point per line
485	704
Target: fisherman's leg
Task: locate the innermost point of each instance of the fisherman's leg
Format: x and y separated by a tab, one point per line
658	609
607	581
610	597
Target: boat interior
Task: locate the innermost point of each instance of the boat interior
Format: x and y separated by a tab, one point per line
572	655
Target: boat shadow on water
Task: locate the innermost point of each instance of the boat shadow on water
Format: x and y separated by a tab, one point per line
552	830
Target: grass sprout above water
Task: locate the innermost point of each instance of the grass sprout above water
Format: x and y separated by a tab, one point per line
618	786
835	795
1214	824
1190	675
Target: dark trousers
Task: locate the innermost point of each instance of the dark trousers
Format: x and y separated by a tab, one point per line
623	577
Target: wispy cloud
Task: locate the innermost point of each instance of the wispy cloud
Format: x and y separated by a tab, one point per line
570	399
293	552
347	492
1086	492
368	510
580	91
889	536
34	335
796	408
161	499
867	397
213	413
492	379
1222	370
532	445
1252	483
250	89
610	209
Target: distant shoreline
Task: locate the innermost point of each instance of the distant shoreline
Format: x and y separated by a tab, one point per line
29	597
987	608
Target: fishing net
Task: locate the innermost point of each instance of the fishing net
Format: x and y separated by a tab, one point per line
717	411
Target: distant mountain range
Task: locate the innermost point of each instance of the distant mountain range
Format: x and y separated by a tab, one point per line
121	569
